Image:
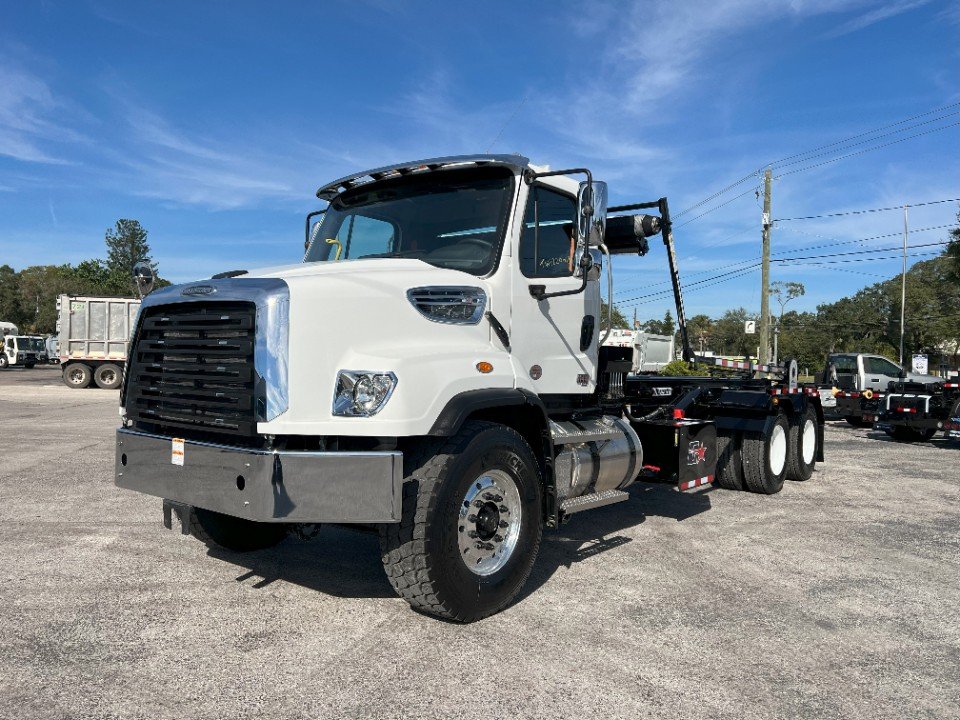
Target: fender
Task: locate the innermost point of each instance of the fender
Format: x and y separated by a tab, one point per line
461	406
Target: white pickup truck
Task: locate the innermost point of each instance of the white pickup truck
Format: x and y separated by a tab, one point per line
435	368
858	380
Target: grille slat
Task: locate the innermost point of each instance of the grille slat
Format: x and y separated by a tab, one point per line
192	369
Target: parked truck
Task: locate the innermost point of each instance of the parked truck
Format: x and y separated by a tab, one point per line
434	368
916	411
22	350
94	333
860	382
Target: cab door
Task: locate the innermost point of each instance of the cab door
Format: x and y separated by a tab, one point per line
554	341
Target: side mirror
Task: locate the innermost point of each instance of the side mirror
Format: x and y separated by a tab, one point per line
591	212
144	277
310	230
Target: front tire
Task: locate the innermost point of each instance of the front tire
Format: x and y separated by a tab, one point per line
765	457
4	363
233	533
460	551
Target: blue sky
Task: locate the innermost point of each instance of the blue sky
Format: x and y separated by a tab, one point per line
213	123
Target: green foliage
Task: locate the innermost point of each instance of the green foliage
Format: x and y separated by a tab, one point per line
660	327
619	321
679	367
28	298
126	246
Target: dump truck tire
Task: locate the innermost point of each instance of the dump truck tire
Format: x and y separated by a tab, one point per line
77	375
108	376
471	523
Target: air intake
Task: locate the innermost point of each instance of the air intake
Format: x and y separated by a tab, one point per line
450	305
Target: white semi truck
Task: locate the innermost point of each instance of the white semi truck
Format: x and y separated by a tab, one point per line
434	368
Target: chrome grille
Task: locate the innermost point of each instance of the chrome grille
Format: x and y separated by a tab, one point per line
192	369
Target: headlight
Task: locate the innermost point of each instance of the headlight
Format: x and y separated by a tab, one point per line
452	305
362	393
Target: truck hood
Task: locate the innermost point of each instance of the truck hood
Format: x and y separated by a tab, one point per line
370	270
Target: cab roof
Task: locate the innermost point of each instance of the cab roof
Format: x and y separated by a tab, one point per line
331	190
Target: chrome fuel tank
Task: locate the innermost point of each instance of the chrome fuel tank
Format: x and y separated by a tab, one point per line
593	455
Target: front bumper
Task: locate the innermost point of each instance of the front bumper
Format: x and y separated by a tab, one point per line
264	485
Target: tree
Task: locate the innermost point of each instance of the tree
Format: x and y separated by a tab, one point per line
619	321
11	309
784	292
953	251
126	246
660	327
699	332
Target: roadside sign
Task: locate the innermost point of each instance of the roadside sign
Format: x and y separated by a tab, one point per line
750	327
920	364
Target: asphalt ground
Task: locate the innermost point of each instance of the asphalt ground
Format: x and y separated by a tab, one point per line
836	598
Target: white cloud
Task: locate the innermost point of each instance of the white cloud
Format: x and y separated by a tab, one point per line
27	107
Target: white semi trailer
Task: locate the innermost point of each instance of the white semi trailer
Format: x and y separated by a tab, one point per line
94	333
434	368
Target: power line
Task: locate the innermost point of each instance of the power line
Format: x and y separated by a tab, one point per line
696	286
869	210
866	150
856	260
861	252
807	153
804	157
723	204
857	240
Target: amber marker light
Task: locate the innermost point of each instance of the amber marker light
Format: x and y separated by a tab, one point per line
484	367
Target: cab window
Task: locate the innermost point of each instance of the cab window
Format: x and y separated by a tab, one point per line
550	252
881	366
361	236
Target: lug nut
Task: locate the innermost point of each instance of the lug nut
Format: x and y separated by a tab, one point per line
497	498
472	518
473	534
504	509
504	523
498	538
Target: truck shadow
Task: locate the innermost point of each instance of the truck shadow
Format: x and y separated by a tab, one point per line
594	532
345	562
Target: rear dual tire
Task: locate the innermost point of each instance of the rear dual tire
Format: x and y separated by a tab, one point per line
802	458
765	457
77	375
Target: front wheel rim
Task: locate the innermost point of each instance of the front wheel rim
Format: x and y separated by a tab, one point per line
488	526
76	376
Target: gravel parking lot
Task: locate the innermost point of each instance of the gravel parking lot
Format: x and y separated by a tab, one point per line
834	599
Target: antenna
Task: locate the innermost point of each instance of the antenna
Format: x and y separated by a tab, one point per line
509	120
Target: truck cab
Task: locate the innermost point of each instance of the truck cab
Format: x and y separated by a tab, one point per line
434	367
23	350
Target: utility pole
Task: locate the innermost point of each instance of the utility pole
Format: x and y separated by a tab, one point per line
765	271
903	283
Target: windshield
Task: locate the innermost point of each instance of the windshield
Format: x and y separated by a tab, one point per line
453	219
31	344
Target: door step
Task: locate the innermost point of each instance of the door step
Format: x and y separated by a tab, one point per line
591	501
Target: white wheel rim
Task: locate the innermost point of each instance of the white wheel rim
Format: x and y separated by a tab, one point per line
778	449
488	526
808	441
